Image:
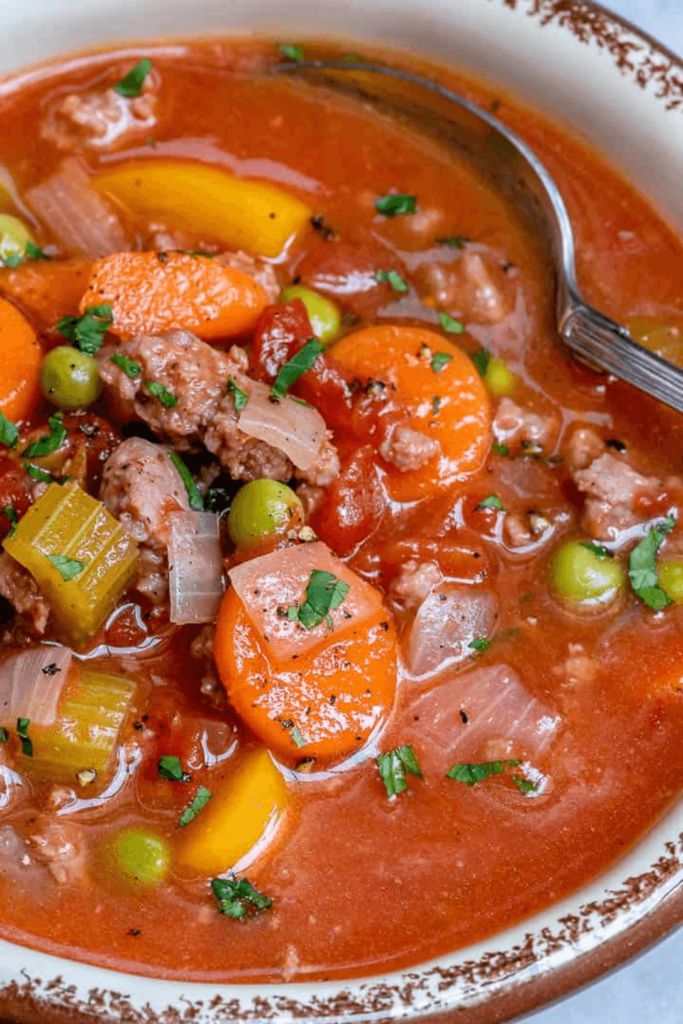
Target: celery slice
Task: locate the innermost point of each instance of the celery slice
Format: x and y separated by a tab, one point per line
87	733
66	523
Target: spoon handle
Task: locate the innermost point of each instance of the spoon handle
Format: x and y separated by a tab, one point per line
605	344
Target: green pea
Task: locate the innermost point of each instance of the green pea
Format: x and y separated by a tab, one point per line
262	508
670	575
500	380
140	856
69	378
323	313
583	576
14	237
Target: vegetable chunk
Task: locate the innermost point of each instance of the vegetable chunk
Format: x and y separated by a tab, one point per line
79	555
20	358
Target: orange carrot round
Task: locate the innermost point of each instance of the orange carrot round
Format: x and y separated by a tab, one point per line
20	357
152	291
443	392
323	705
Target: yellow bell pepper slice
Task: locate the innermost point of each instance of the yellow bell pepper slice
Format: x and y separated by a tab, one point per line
207	202
79	555
80	748
248	804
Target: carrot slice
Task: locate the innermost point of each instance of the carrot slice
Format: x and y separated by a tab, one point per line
325	704
443	392
20	357
47	289
150	291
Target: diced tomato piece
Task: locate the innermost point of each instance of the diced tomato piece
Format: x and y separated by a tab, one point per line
280	331
354	504
14	492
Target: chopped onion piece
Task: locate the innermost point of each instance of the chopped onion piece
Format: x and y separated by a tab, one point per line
296	429
487	714
196	567
78	216
31	684
446	623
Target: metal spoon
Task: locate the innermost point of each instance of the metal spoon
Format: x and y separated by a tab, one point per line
591	336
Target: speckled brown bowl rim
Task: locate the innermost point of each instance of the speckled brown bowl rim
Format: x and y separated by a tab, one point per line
541	960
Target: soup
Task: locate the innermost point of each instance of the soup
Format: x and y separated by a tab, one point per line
342	610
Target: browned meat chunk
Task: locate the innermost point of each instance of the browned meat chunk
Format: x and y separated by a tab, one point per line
583	446
99	118
613	491
473	287
415	580
408	449
59	846
521	531
261	272
514	425
19	588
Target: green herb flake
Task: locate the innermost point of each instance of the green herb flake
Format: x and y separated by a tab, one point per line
436	404
297	366
453	241
162	394
9	432
440	361
4	736
297	738
324	594
68	568
196	805
36	473
492	502
471	774
132	83
170	767
129	366
10	515
481	359
50	442
239	397
450	325
87	332
237	898
35	253
194	495
392	277
23	725
13	260
524	785
292	51
642	567
396	204
480	645
500	449
394	766
597	549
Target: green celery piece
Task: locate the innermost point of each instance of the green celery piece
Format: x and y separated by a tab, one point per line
67	521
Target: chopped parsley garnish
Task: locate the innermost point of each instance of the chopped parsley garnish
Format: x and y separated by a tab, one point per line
395	765
450	325
471	774
87	332
170	767
10	515
194	495
9	432
68	568
132	83
297	738
22	732
239	397
524	785
395	204
36	473
453	241
324	594
481	359
129	366
292	51
492	502
440	361
642	567
50	442
12	260
480	645
197	804
4	736
393	278
162	394
238	898
297	366
436	404
597	549
500	449
34	252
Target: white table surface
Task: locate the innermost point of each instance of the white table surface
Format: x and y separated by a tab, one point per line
649	990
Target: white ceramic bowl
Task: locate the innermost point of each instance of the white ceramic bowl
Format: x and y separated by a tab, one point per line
625	94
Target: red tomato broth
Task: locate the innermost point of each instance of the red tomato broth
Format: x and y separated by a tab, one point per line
444	864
